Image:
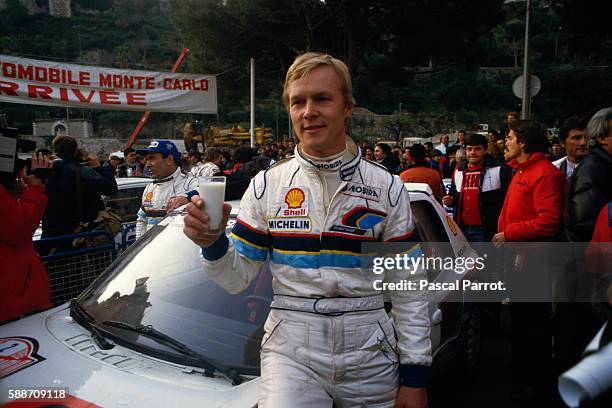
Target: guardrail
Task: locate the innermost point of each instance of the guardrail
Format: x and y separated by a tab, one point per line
73	269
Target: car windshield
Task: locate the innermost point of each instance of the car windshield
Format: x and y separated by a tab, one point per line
159	281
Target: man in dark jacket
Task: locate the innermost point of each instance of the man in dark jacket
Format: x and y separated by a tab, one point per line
590	187
66	208
384	156
477	191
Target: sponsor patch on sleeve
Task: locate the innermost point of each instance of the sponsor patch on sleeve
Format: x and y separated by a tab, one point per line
361	191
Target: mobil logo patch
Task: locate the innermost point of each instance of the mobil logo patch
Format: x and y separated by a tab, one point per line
295	202
362	191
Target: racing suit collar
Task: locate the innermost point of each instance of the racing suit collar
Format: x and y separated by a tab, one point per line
174	175
347	167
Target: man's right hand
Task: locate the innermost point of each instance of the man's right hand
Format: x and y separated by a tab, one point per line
197	223
39	161
448	200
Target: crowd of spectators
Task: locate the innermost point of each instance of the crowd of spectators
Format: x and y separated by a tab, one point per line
523	184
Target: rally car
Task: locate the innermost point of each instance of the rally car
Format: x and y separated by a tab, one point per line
155	330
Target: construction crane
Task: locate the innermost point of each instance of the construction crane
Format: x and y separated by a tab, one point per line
145	116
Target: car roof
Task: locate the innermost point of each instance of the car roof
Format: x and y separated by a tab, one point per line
127	182
419	187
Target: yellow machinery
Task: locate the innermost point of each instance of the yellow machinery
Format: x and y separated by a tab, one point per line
232	137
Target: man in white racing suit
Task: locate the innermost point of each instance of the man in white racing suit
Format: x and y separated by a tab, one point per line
170	182
328	340
210	167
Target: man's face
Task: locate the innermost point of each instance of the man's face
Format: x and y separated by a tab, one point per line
606	141
510	119
501	143
491	137
193	160
556	149
158	166
444	139
461	138
475	155
576	145
318	112
379	153
130	158
513	148
115	162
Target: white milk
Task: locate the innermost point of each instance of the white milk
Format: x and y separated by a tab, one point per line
213	193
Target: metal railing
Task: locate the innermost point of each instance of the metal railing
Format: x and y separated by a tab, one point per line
71	270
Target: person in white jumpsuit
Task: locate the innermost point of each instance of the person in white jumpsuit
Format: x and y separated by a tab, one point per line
328	340
169	184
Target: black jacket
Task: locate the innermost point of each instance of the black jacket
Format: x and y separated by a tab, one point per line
62	214
392	163
590	188
490	202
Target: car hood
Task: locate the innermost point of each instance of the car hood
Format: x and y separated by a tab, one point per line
58	352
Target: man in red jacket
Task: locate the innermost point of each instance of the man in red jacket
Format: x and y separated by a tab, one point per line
25	283
532	211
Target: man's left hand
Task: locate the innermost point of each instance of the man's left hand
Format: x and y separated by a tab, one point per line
409	397
176	202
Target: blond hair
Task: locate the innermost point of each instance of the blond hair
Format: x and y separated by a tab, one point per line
309	61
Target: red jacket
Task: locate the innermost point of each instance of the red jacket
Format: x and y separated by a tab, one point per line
598	255
533	206
24	281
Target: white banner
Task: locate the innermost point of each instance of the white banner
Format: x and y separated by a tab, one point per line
38	82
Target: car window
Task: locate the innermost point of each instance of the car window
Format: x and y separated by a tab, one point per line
435	240
126	202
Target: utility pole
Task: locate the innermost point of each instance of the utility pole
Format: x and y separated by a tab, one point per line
252	102
526	104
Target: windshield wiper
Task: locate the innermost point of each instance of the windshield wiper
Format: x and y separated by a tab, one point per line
76	310
209	366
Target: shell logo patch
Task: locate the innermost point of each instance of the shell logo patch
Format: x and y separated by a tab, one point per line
295	202
294	198
149	197
17	353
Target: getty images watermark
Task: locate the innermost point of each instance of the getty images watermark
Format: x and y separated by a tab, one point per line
482	272
413	264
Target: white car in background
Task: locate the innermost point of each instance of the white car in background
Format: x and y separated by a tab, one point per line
126	202
153	330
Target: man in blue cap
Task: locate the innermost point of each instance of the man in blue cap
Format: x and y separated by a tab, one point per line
163	162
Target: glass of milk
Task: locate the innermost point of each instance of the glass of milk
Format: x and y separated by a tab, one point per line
212	192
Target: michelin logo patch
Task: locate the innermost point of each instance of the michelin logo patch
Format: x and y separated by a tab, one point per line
296	224
362	191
